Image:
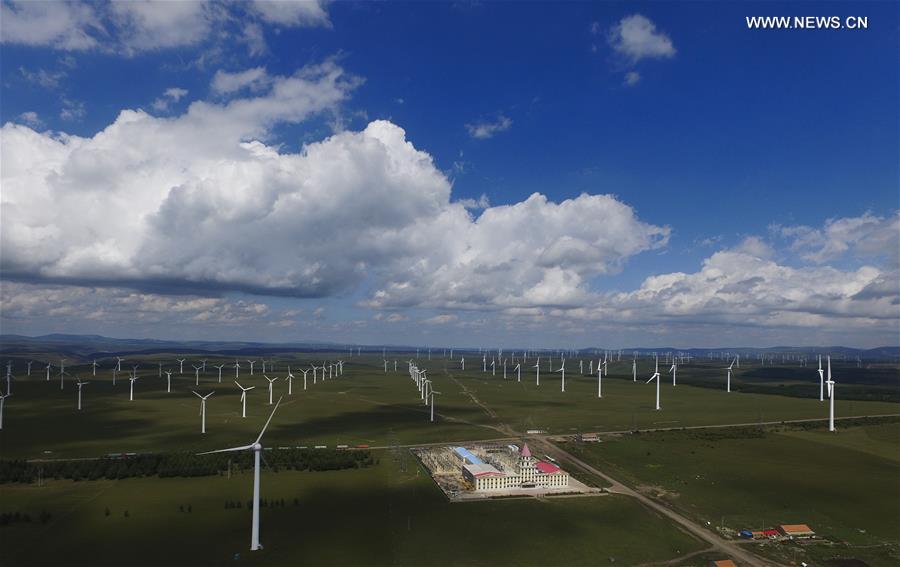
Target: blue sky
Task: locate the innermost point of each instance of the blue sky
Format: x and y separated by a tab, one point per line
776	146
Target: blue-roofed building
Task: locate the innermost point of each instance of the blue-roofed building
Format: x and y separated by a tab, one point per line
467	456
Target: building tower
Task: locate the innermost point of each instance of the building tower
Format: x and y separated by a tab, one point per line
525	464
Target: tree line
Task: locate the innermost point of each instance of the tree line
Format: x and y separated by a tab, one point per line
165	465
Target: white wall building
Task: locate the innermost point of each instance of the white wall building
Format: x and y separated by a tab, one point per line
529	473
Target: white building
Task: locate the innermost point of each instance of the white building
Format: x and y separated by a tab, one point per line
528	473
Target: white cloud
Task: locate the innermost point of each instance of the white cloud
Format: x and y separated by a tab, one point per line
42	77
68	303
224	83
867	235
487	129
197	200
170	95
31	119
636	37
441	319
146	25
130	27
58	24
293	13
632	78
72	110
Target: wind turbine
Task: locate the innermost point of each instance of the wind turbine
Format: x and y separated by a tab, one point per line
271	381
563	370
256	447
599	382
830	383
305	372
537	368
196	375
30	362
79	383
656	377
237	369
462	362
634	370
168	374
290	381
244	398
821	381
728	383
119	361
673	370
252	362
219	368
493	368
180	365
203	409
131	379
2	403
385	366
93	368
433	392
518	372
48	371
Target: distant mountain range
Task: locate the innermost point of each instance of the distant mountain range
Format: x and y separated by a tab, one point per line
85	345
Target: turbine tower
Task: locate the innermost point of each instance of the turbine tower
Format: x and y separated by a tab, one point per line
256	447
244	398
203	409
658	379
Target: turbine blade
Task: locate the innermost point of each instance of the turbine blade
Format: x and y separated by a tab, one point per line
269	420
244	448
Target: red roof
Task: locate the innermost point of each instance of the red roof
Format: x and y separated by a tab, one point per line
546	468
526	452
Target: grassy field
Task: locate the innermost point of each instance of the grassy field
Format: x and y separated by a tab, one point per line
376	516
365	406
845	484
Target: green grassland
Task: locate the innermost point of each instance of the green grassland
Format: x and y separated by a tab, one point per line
844	484
382	515
365	406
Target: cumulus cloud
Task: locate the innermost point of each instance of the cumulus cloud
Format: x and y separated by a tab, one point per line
115	305
168	97
867	235
72	110
57	24
489	129
635	37
200	201
31	119
224	83
293	13
632	78
135	26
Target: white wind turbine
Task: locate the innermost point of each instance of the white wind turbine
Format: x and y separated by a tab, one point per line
658	379
830	384
203	410
537	368
131	379
271	381
30	362
305	372
462	362
2	403
237	369
493	368
79	383
385	366
634	370
599	381
290	381
821	381
244	398
518	370
219	368
252	362
180	365
256	447
563	370
94	366
119	361
196	375
433	392
168	374
49	366
728	380
673	370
